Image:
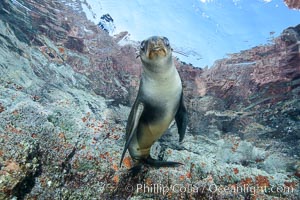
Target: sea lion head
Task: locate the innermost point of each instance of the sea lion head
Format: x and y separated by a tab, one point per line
156	52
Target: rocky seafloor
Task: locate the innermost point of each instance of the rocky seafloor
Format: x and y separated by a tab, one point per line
66	88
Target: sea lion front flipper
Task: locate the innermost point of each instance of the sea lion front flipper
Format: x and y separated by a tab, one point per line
133	122
181	119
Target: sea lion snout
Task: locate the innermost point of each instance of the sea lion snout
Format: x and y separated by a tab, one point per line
155	47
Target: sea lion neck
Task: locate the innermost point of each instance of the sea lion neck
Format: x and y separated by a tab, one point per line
154	73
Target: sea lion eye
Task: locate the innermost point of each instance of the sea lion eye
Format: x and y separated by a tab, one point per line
166	41
142	47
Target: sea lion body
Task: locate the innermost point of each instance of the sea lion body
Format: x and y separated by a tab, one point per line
159	101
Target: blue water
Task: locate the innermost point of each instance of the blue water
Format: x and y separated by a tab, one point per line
206	30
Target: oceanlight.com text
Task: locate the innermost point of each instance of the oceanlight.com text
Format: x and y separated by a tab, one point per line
213	188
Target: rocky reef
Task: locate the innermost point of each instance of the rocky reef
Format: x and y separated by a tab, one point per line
292	4
66	88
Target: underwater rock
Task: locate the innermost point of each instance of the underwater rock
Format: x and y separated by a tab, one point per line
20	165
259	80
292	4
202	120
107	23
291	35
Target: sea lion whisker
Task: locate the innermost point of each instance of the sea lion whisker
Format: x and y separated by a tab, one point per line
181	53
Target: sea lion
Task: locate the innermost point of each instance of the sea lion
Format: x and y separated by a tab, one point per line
158	102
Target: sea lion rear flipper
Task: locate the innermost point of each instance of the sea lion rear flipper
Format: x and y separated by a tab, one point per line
160	163
133	122
181	119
